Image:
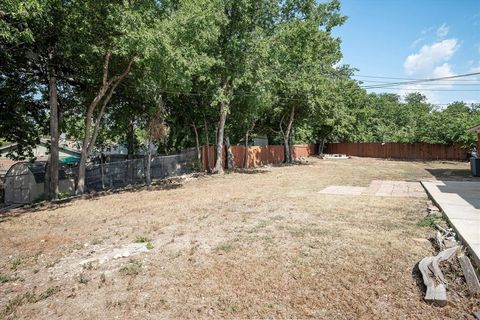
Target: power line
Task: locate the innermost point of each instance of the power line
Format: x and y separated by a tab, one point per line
476	83
427	89
420	81
398	78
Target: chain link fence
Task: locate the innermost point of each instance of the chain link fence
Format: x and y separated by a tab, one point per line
26	182
119	174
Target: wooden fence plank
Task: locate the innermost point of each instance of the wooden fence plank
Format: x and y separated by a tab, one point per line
409	151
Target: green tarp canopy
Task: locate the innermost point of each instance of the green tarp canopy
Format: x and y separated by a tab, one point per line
69	160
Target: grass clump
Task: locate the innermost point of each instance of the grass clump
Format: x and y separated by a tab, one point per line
15	263
89	266
149	245
132	268
146	240
5	278
29	297
47	293
142	239
224	247
82	278
429	221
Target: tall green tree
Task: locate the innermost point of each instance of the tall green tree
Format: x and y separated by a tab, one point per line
304	56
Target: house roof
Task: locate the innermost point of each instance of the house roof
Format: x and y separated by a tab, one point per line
45	142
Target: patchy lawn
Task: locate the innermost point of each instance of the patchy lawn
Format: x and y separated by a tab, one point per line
258	245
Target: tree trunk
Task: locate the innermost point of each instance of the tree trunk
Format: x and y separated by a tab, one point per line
230	159
148	176
221	129
286	136
54	134
321	146
197	145
130	150
130	140
208	143
88	142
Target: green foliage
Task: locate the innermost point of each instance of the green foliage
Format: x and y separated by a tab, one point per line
15	263
255	59
5	278
142	239
132	268
385	118
429	221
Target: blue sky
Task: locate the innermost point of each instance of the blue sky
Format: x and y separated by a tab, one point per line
415	39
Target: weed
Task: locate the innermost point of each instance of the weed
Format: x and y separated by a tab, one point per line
62	195
97	241
15	263
132	268
175	254
147	241
12	306
103	278
5	278
268	239
429	221
224	246
28	297
142	239
36	256
203	217
52	264
47	293
82	278
89	266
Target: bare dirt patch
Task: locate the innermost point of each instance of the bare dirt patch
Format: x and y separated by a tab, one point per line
239	245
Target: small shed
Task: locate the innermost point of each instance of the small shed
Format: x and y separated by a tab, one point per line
25	182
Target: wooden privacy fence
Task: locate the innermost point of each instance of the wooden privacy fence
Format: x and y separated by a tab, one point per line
410	151
257	156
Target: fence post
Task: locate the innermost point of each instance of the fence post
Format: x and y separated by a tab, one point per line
102	176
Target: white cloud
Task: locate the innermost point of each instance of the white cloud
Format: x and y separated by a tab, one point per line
475	69
423	62
442	71
407	89
443	30
419	40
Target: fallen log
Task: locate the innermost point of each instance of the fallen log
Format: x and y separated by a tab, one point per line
433	278
435	265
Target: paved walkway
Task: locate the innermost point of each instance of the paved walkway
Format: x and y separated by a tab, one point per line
460	201
380	188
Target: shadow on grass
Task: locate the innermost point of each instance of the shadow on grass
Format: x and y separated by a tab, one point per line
249	171
453	174
418	278
8	214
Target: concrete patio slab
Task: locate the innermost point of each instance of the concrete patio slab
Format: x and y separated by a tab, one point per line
343	190
380	188
460	202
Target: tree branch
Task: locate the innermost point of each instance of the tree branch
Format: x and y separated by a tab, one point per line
105	102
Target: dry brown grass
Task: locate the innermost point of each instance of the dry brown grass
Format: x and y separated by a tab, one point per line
263	245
